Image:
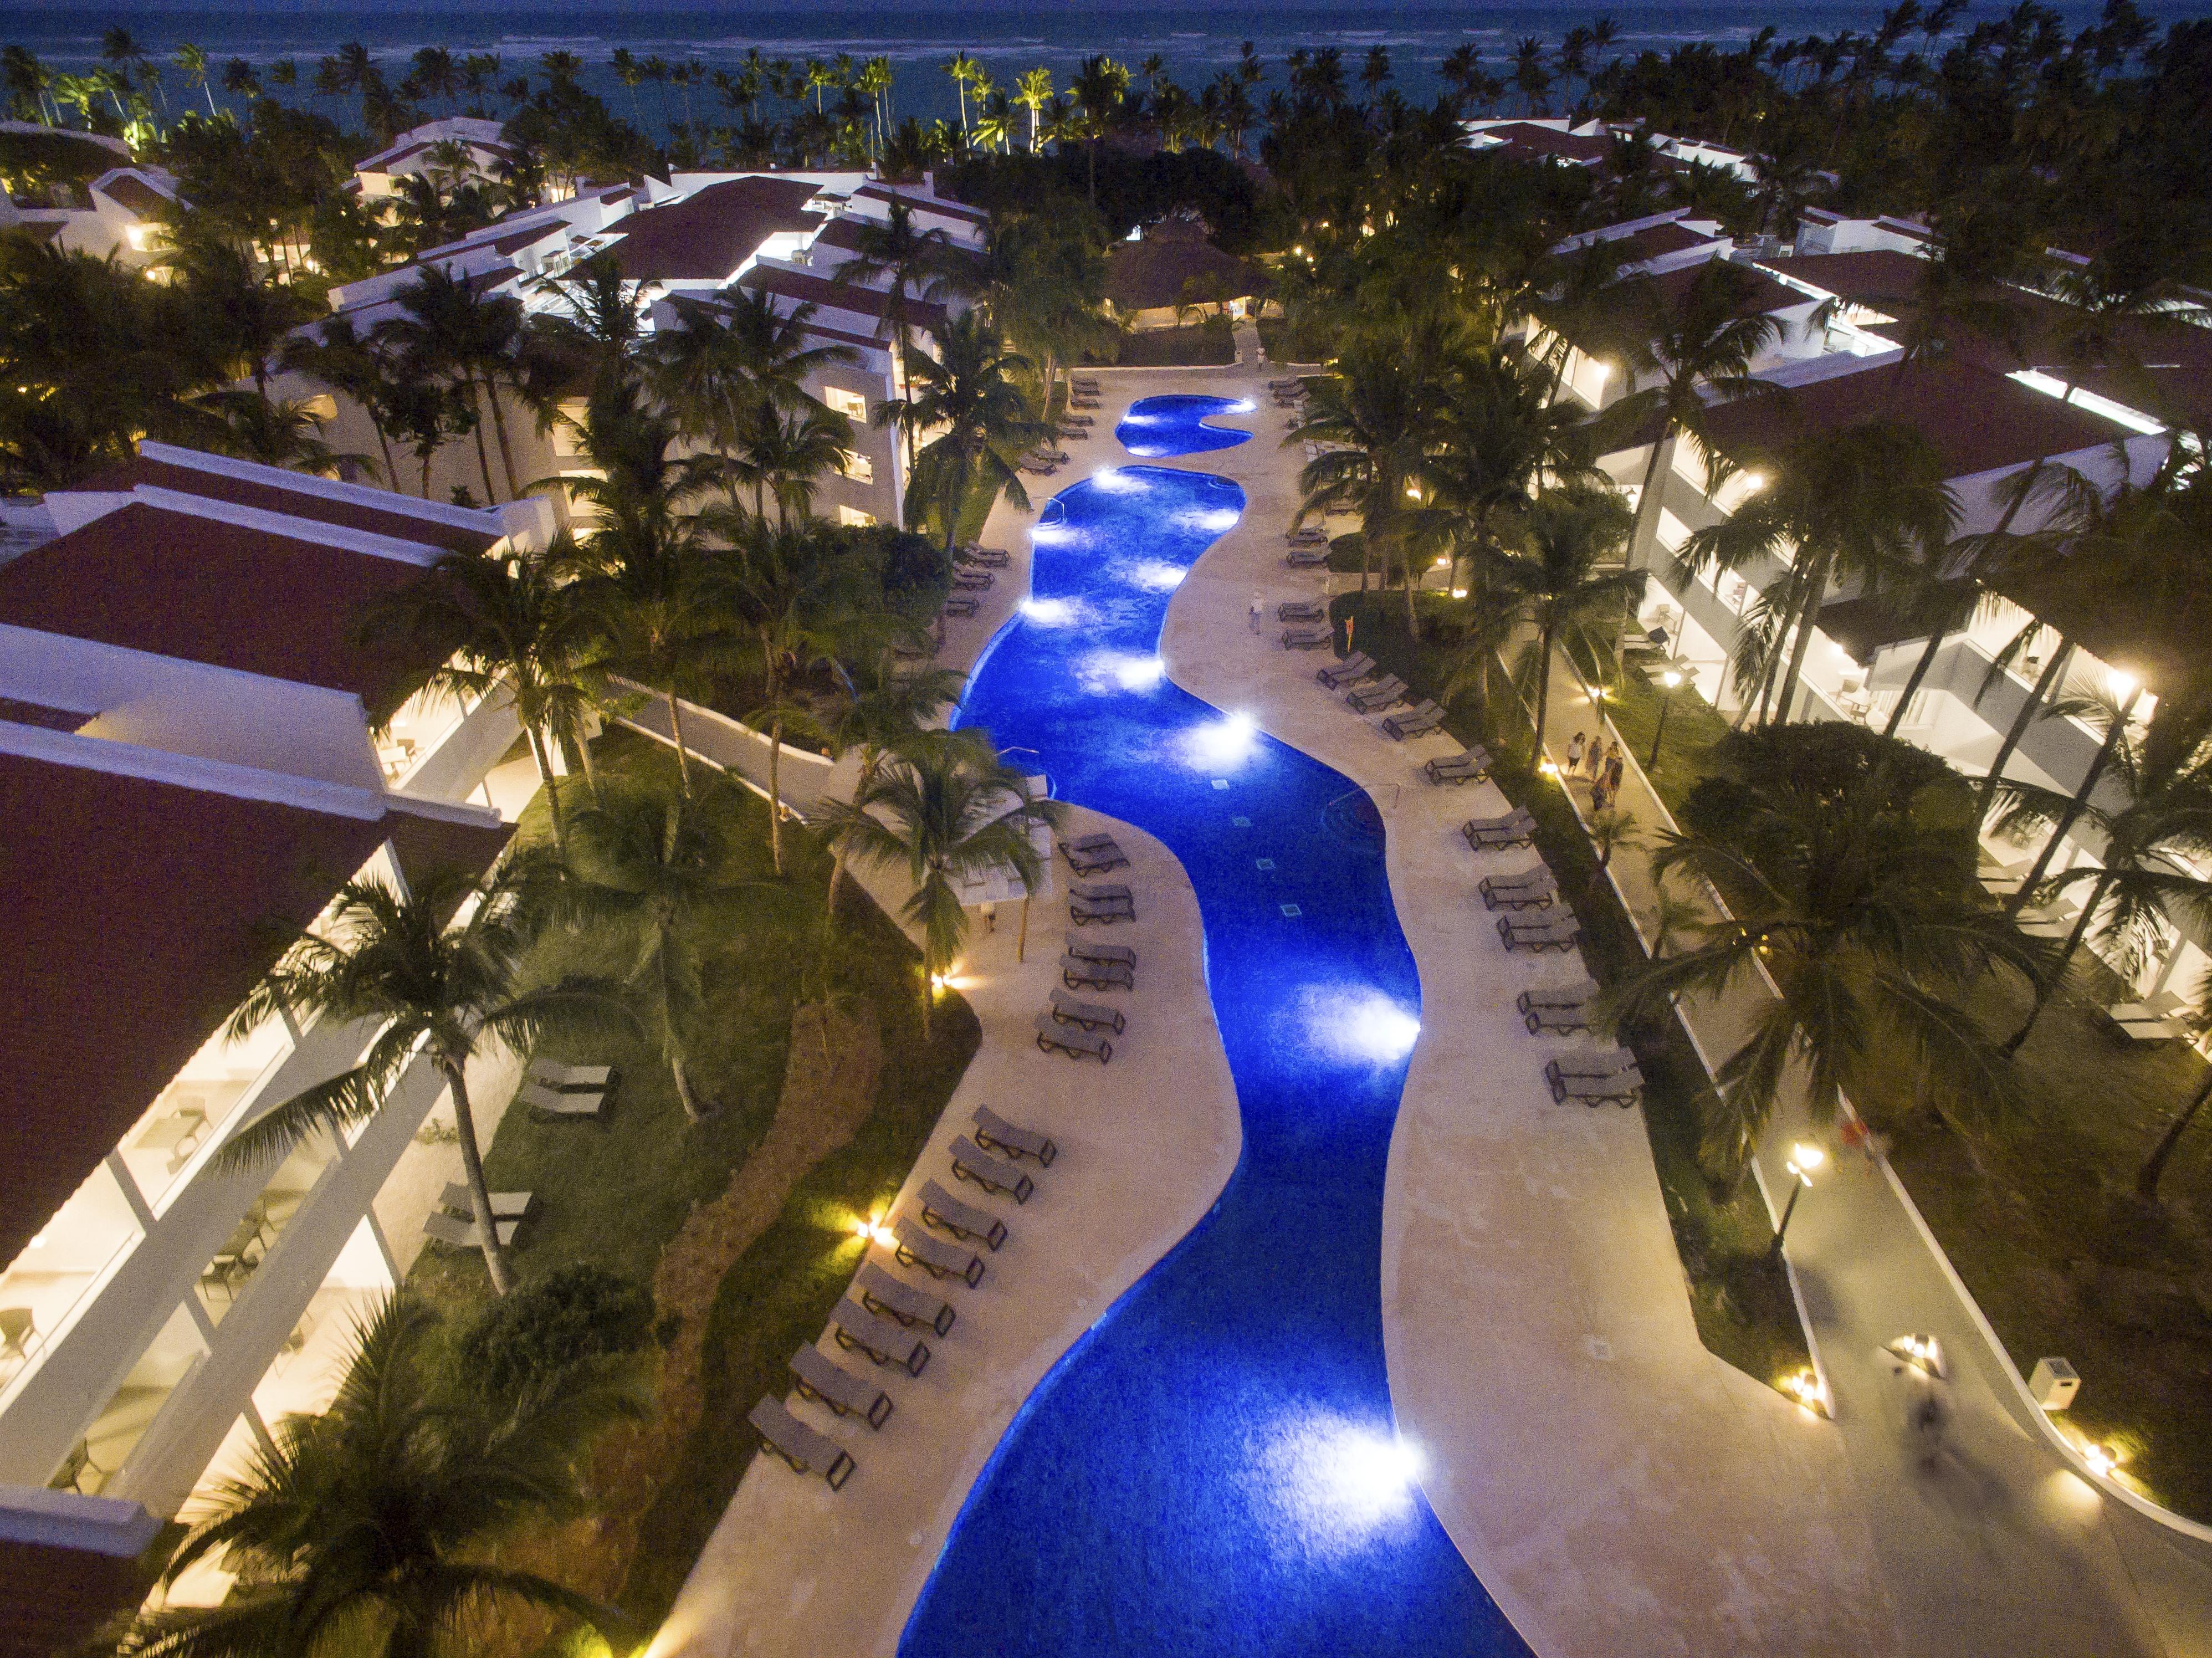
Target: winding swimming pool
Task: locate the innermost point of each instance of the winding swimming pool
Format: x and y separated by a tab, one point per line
1212	1468
1157	427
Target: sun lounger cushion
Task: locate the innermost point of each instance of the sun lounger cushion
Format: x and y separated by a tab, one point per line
963	1220
993	1175
505	1206
1350	671
1089	973
916	1248
545	1102
820	1377
884	1340
1106	912
553	1074
994	1133
805	1450
1080	944
461	1232
883	1292
1103	892
1068	1009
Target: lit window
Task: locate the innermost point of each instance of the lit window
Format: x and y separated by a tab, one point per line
850	404
859	468
853	518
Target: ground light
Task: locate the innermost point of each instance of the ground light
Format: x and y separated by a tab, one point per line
1804	1158
1668	680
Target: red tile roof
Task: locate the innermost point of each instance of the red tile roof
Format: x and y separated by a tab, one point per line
1977	420
1761	294
708	235
878	193
806	290
272	496
128	190
1654	241
136	920
1550	141
151	578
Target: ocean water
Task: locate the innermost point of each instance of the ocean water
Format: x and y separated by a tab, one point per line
1194	43
1214	1467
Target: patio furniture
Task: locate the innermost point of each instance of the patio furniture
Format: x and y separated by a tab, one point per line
1073	434
1468	766
991	558
1039	471
1557	930
505	1206
889	1343
2153	1030
1350	671
807	1452
1577	994
1087	843
1307	638
1373	699
1096	861
18	1330
1513	828
461	1231
973	581
1424	717
2163	1005
821	1378
960	606
939	1258
1085	973
1310	557
892	1298
1534	891
1089	1015
1591	1062
991	1174
1072	1040
1301	610
550	1104
1306	537
994	1134
1079	420
947	1213
572	1078
1572	1016
1103	892
1105	912
1620	1089
1090	951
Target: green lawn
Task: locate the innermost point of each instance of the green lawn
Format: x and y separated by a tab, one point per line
1744	1311
617	1195
1206	344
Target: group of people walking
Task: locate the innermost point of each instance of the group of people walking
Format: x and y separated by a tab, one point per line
1600	761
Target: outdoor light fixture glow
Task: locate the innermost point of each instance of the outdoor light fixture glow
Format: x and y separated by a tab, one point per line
1459	592
1805	1387
2101	1460
1048	612
1753	483
1242	406
1413	492
2123	683
1804	1158
870	1229
1670	679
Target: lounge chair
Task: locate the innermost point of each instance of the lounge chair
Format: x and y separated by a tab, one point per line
973	581
916	1248
994	1134
973	552
1096	861
1087	843
549	1104
1072	1039
1105	892
819	1377
1422	717
1301	610
1073	434
1354	668
1039	471
960	606
1312	557
1082	972
1557	930
505	1206
1105	912
1372	699
1089	1015
1090	951
884	1340
1306	536
461	1232
1515	829
1468	766
1577	994
1079	420
1620	1088
883	1293
1536	891
1570	1018
785	1436
1307	638
1592	1062
597	1078
993	1175
947	1213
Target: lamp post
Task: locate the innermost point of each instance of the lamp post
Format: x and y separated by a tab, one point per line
1668	680
1804	1158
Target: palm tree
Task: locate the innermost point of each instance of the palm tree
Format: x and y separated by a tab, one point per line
1698	344
387	956
449	330
2154	843
782	454
664	869
1033	91
193	61
1863	909
944	815
507	623
910	262
1868	504
1555	583
340	358
376	1517
969	395
1099	89
880	719
275	432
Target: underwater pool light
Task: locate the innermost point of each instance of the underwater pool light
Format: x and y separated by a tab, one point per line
1049	612
1357	1023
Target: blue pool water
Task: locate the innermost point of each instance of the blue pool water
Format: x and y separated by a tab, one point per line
1157	427
1212	1468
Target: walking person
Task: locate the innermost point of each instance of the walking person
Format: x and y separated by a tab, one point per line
1259	604
1575	754
1612	773
1595	758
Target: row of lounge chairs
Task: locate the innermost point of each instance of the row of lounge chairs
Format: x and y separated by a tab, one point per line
554	1092
889	1320
1079	1029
